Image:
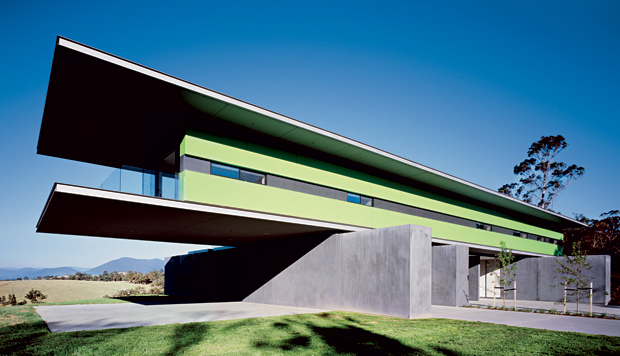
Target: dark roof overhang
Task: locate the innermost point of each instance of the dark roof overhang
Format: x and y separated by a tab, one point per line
106	110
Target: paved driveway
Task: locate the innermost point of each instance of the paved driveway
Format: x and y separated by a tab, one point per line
126	315
530	320
108	316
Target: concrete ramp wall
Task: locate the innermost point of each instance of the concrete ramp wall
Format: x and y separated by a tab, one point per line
384	271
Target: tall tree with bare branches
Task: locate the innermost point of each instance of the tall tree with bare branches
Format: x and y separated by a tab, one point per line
542	177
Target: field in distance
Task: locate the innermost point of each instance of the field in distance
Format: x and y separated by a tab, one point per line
61	290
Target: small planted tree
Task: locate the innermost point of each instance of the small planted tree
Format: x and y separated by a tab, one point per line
572	269
508	270
35	296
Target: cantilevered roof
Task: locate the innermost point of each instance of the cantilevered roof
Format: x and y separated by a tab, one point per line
106	110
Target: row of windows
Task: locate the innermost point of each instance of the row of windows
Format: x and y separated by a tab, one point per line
200	165
236	173
253	177
516	233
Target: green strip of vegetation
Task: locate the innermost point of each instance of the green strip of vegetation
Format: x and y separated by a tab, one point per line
22	332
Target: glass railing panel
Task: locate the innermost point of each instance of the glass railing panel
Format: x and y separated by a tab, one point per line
113	182
131	181
169	186
143	182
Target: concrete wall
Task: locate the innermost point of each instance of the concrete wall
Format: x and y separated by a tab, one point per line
383	271
474	278
450	275
535	277
231	275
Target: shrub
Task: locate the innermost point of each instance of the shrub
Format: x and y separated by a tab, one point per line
139	290
35	296
11	300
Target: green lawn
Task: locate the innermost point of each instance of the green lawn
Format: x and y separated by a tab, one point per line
22	332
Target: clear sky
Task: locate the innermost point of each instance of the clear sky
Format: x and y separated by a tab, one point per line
462	87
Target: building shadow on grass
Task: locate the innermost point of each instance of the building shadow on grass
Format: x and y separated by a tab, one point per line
186	336
33	337
344	338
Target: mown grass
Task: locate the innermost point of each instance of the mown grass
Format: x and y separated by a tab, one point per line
22	332
63	290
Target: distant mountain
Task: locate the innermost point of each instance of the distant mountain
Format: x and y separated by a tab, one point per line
125	264
35	272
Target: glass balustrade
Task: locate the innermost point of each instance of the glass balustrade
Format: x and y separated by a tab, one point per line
144	182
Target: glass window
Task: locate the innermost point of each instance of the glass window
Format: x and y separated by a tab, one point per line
516	233
252	177
366	201
224	171
482	226
169	186
353	198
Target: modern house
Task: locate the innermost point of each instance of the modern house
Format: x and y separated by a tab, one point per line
317	219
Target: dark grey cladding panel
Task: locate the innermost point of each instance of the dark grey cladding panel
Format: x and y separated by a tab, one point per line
501	230
459	221
195	164
279	182
313	189
303	187
409	210
386	205
340	195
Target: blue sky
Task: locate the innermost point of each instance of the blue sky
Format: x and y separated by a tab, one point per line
460	87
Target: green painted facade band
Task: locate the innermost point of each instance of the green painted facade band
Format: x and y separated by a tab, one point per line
210	189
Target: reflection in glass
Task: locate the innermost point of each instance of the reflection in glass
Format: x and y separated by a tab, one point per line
113	182
366	201
224	171
169	186
482	226
131	180
353	198
252	177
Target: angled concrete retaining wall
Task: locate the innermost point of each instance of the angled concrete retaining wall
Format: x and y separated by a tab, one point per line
384	271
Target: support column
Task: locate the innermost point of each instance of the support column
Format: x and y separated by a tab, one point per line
474	278
449	276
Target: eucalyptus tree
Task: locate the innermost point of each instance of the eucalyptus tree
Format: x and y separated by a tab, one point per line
542	178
